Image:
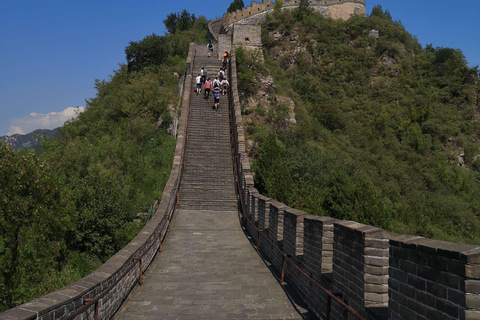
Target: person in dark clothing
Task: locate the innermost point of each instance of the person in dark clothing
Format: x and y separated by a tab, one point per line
210	49
216	95
225	61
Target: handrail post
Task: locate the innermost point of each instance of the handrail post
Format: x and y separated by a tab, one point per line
141	271
160	248
258	239
140	281
329	306
95	316
95	312
283	269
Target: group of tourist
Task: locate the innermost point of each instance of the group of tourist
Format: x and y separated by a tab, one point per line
220	84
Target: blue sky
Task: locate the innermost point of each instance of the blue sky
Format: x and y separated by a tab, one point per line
51	51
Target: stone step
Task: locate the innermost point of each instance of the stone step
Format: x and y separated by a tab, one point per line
208	180
212	196
209	190
208	208
198	170
212	200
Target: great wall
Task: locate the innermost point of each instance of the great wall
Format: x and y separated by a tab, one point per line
340	269
336	9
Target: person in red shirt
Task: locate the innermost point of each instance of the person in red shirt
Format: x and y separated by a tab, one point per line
208	88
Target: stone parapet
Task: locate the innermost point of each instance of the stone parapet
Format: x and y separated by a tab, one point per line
432	279
256	12
263	211
275	220
293	232
360	265
318	245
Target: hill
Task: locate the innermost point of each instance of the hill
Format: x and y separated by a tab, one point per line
27	141
355	120
69	209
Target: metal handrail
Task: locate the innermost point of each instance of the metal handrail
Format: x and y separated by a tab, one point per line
234	137
90	302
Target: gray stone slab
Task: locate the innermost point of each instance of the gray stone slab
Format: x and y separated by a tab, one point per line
208	270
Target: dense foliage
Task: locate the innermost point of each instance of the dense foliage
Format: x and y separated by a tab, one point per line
179	21
69	209
386	132
170	49
236	5
32	224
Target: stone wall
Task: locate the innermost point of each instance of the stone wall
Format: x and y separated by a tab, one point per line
109	285
360	266
247	34
377	274
336	9
433	279
224	44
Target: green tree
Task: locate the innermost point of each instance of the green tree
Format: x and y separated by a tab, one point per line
271	173
180	21
236	5
32	225
151	51
303	9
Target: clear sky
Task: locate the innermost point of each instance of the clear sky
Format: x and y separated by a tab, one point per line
51	51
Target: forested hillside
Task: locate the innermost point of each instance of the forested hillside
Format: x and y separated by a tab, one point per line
68	210
384	132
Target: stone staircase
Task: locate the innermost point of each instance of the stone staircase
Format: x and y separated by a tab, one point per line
208	182
208	268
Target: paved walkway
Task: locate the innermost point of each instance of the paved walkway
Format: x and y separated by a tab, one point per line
208	268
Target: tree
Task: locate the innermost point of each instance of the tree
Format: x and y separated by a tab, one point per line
236	5
150	51
32	225
304	5
179	21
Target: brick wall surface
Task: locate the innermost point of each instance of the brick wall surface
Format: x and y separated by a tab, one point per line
252	213
360	265
247	34
433	279
293	231
224	44
318	245
263	212
275	220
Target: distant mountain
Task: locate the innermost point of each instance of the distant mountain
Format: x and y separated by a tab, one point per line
31	140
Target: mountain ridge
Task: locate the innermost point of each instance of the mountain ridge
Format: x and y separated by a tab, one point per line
29	140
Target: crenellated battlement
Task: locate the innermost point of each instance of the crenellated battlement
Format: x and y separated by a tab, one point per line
337	9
